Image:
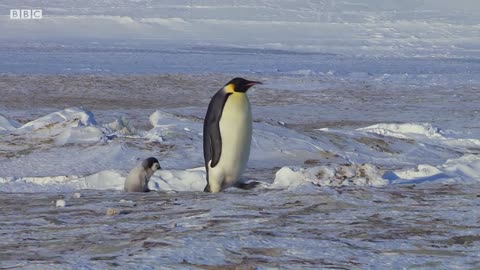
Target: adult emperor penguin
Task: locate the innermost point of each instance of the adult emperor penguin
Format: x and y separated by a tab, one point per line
227	134
137	179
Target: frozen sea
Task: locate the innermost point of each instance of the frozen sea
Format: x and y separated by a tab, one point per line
366	138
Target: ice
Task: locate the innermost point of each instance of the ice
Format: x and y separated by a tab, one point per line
421	171
73	116
179	180
287	177
338	175
120	127
466	167
168	127
425	133
366	27
163	180
60	203
8	124
406	130
105	180
355	157
80	135
328	189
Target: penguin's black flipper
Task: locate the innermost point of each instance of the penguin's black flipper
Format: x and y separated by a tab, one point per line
212	139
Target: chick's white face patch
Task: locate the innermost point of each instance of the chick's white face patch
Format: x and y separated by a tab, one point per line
155	166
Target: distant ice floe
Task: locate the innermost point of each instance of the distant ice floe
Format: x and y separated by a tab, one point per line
69	150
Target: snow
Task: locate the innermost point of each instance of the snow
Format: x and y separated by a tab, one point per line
358	157
366	27
8	124
405	130
60	203
179	180
76	116
467	167
339	175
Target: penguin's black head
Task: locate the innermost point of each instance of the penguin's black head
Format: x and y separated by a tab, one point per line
151	163
240	85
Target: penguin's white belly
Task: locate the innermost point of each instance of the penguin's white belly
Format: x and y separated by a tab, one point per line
236	134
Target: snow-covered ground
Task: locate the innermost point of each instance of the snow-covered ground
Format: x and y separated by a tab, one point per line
347	177
366	138
420	28
395	227
69	150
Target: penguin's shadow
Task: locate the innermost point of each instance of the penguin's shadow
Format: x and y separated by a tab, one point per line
247	185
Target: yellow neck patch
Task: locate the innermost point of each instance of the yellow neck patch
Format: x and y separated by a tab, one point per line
230	88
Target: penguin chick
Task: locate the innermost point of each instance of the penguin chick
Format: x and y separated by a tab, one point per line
137	179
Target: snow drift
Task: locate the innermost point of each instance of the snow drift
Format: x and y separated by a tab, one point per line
68	150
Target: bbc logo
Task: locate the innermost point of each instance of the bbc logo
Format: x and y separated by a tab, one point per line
25	14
